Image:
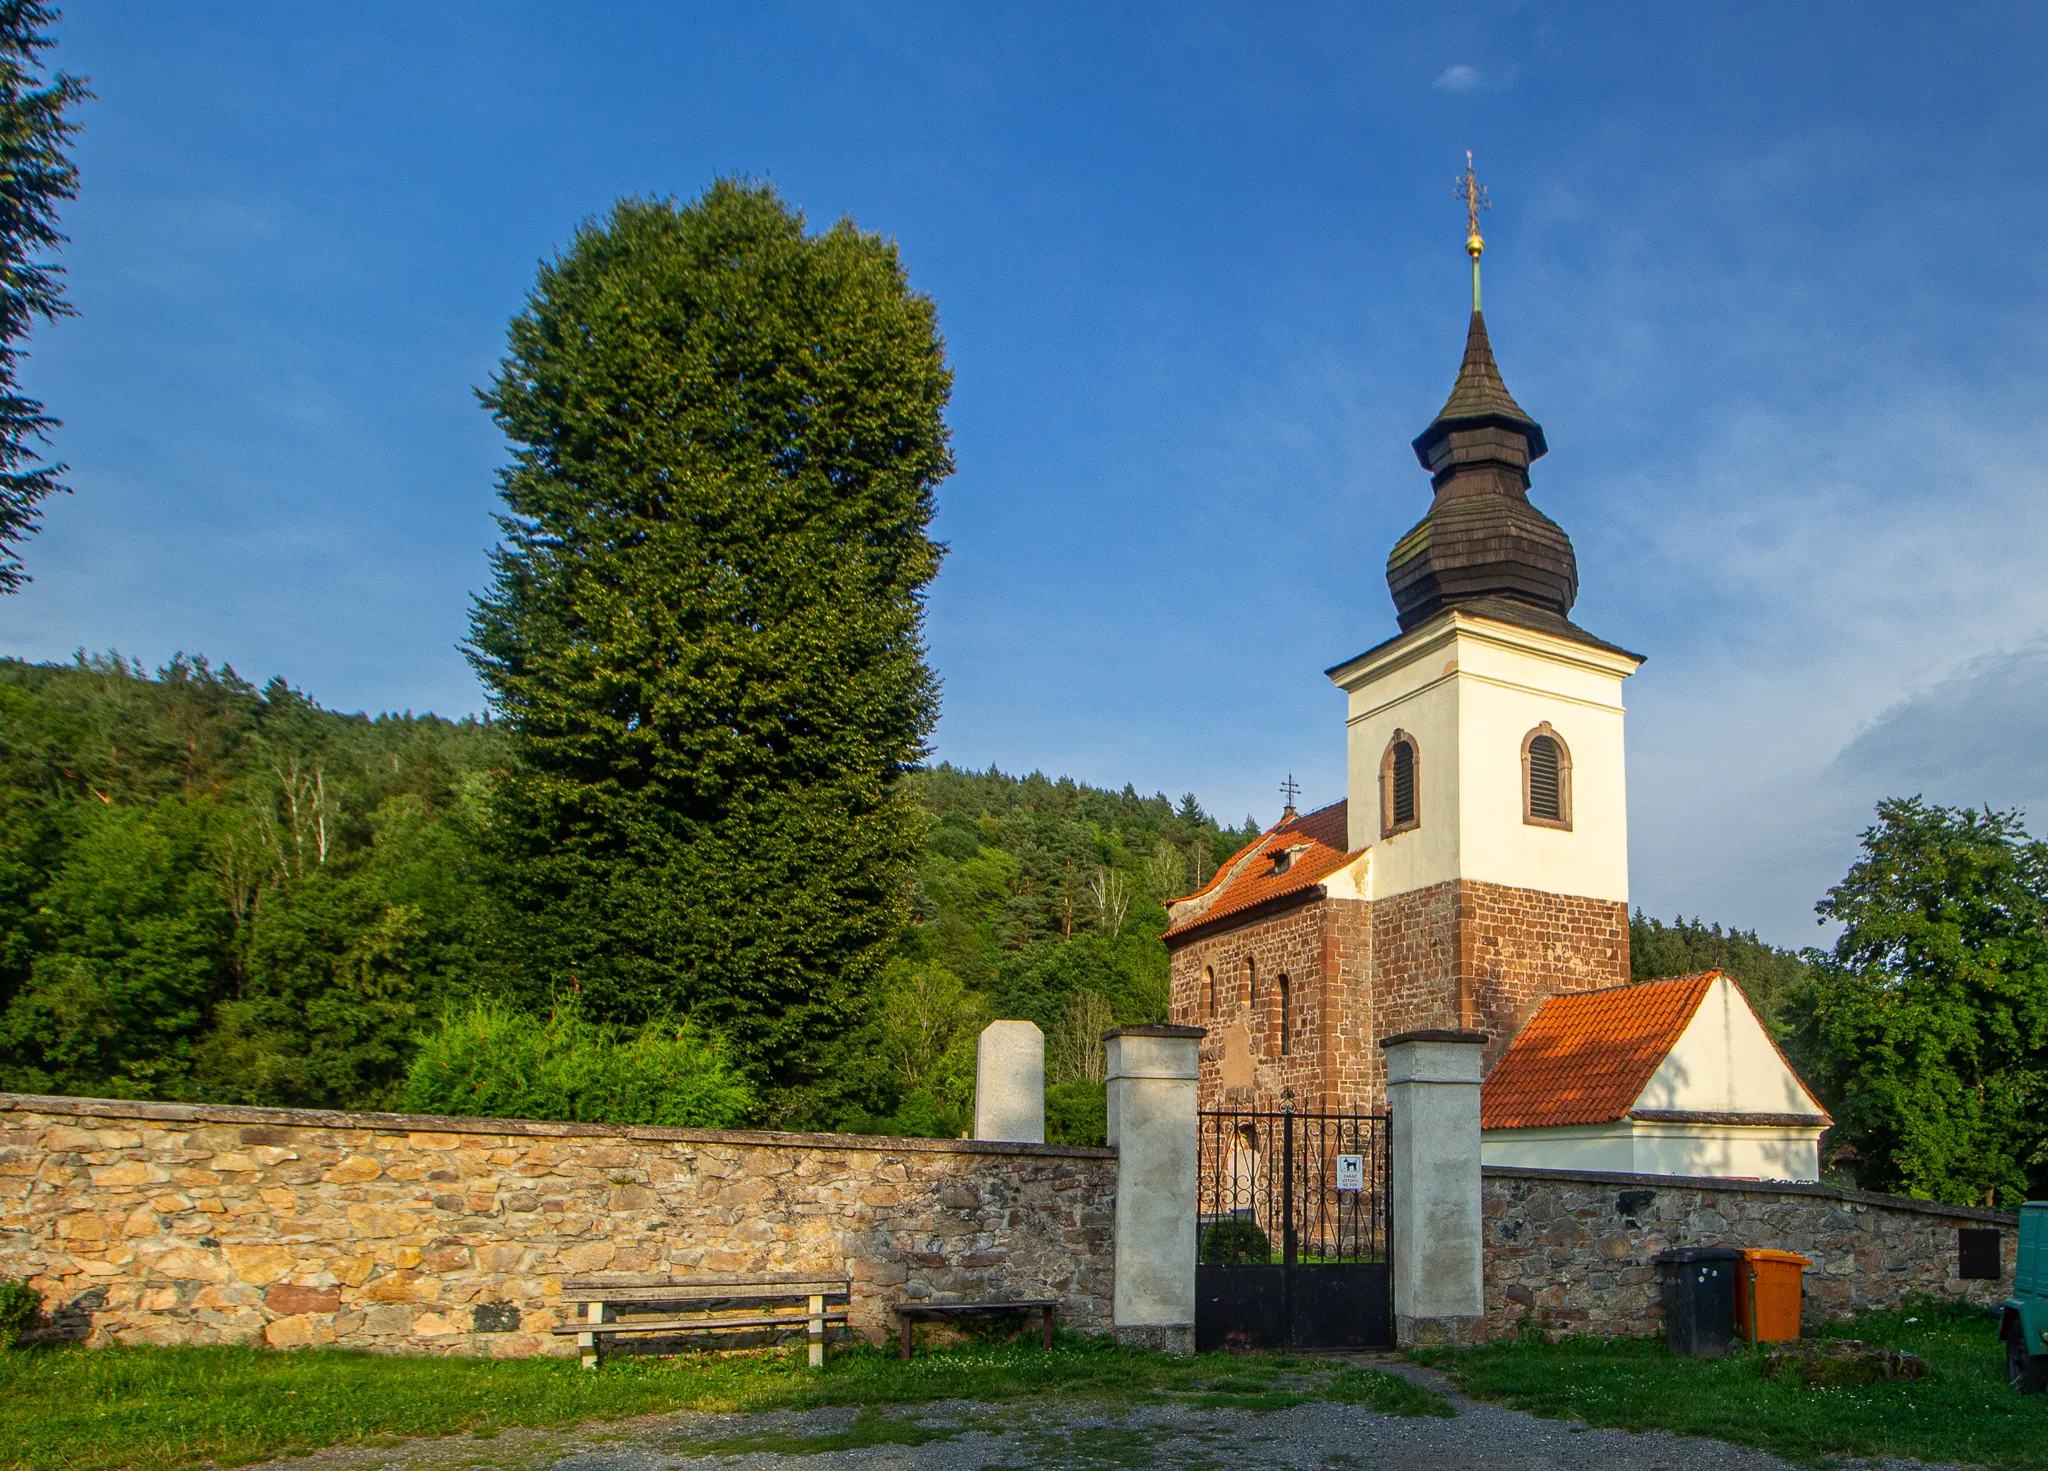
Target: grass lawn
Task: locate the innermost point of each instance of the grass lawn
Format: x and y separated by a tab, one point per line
1962	1411
73	1409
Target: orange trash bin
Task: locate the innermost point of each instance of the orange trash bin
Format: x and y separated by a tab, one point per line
1767	1295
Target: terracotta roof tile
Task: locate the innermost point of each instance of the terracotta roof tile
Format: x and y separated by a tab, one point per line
1330	826
1585	1058
1313	845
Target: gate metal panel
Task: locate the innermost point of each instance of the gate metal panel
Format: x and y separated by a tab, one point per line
1286	1258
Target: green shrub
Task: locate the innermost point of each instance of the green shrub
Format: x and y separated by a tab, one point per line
1077	1113
494	1062
1235	1244
20	1310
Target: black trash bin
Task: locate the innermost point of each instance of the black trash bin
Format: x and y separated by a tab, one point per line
1699	1298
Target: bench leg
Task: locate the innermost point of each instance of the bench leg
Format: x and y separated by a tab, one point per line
593	1313
903	1334
1048	1327
817	1334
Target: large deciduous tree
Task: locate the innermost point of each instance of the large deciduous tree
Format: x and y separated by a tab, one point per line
36	174
1927	1028
704	629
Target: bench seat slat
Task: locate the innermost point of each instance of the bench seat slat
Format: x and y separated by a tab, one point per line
1030	1304
701	1325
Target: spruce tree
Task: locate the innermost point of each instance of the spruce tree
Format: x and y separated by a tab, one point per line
704	629
36	174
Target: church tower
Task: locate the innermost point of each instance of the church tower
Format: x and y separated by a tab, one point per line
1485	758
1479	864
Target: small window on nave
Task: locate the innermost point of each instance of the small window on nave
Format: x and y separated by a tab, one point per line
1400	785
1546	779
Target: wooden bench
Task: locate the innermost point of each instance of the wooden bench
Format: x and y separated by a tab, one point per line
651	1302
907	1311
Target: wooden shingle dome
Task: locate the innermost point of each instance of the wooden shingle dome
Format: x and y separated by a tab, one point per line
1483	546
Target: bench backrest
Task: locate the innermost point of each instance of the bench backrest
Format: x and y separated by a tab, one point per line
656	1287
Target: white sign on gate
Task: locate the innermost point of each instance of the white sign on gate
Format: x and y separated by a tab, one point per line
1350	1172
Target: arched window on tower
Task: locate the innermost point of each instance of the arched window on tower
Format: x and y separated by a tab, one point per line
1400	785
1286	1017
1251	982
1546	779
1209	991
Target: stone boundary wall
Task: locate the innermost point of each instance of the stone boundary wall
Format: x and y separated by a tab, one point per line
1573	1251
178	1223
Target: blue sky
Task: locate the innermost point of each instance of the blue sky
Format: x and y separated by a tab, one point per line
1771	276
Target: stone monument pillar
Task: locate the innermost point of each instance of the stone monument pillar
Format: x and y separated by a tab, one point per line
1152	1072
1439	1266
1009	1083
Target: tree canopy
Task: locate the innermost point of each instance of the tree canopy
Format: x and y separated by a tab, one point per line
210	891
1767	974
1926	1027
704	630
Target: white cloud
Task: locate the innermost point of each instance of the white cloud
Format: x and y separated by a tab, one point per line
1866	623
1460	78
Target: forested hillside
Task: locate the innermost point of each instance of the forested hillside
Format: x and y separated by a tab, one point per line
214	892
1036	899
211	891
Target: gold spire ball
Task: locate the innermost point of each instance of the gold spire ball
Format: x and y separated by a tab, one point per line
1472	194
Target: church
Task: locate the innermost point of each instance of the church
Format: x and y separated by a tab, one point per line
1479	864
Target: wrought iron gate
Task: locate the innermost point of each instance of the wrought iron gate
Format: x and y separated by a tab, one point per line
1293	1232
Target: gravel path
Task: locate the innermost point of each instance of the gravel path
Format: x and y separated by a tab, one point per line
1074	1437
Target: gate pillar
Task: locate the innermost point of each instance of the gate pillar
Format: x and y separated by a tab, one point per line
1439	1267
1152	1072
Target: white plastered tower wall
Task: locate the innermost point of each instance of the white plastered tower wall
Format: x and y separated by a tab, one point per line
1469	690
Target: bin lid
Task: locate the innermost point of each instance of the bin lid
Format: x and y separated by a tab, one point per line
1767	1254
1699	1254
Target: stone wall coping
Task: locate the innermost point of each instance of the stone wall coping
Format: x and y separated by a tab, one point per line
314	1118
1156	1030
1758	1187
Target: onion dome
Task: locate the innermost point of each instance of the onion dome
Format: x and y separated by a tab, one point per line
1482	545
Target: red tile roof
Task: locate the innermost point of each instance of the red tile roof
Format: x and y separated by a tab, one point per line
1585	1058
1314	849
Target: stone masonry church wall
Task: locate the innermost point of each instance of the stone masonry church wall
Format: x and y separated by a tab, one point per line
1456	954
1331	1058
1483	956
1571	1252
172	1223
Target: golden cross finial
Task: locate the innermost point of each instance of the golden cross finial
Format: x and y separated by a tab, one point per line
1472	194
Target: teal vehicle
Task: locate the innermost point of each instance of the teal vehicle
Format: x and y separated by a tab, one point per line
2023	1321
